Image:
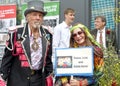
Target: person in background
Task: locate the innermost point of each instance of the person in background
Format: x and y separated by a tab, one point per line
101	33
28	51
80	37
61	32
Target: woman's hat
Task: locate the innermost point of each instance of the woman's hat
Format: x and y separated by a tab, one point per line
35	6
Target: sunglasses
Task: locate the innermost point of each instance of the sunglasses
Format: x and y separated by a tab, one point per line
78	33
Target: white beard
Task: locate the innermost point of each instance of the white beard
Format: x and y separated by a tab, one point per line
36	25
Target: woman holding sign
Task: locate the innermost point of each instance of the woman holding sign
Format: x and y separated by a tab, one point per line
80	36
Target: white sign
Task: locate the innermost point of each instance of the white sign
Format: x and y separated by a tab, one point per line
74	61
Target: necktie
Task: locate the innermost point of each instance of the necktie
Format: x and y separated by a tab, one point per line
101	41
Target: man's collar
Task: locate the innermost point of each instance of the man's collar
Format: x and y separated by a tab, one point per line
66	26
102	29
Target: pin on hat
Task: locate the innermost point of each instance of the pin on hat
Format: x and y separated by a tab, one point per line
35	6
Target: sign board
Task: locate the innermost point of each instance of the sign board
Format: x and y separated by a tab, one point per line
74	61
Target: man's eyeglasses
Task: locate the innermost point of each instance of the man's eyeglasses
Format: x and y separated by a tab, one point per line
78	33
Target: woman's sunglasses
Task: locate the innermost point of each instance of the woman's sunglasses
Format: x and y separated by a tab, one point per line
78	33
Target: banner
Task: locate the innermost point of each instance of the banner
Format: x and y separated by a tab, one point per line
74	61
52	17
7	11
7	17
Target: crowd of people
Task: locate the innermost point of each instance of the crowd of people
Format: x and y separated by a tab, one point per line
29	51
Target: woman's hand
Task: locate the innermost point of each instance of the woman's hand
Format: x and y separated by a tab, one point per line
74	82
66	84
81	82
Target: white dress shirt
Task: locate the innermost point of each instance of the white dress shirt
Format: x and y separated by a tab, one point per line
36	56
61	37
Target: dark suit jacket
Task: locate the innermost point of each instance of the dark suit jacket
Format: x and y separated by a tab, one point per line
11	64
110	36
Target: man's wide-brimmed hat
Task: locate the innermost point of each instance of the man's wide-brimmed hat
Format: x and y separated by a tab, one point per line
35	6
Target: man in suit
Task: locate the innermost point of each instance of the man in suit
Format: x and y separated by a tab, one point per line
27	57
108	35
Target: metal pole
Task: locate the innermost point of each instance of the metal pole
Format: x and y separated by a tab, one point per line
119	29
118	26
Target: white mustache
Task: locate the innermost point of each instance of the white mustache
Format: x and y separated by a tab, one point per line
37	25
